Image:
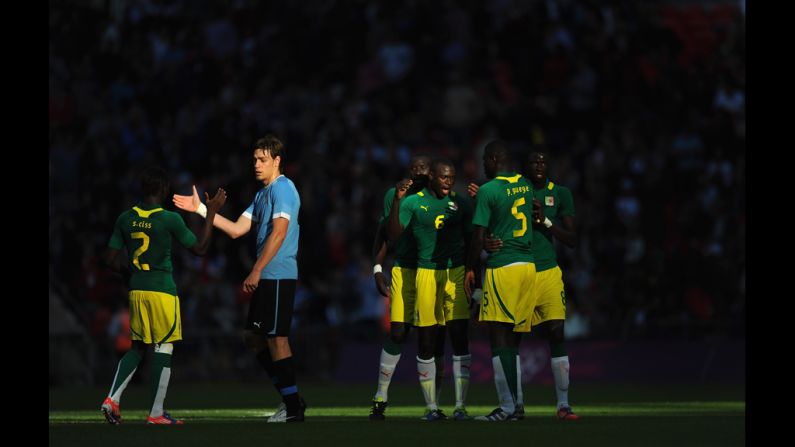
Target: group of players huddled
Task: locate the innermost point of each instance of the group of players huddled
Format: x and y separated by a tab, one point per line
436	237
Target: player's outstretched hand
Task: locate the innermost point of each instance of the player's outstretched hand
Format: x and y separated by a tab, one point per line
187	203
217	201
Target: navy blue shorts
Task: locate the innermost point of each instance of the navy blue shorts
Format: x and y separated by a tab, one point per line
270	311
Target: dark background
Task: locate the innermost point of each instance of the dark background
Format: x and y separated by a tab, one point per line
640	104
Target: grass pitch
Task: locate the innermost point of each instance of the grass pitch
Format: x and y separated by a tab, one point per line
233	414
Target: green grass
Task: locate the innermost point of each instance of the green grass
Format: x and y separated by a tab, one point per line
233	414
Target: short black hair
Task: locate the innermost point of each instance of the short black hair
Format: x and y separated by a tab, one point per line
153	180
274	146
441	162
499	150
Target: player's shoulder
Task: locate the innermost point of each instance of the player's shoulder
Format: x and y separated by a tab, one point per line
389	193
168	214
414	198
126	214
557	187
282	183
494	184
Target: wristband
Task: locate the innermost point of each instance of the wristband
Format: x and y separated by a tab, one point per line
377	269
547	222
201	210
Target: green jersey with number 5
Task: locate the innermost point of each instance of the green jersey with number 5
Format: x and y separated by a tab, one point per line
504	207
147	233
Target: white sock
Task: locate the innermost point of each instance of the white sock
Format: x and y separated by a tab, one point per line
117	395
157	407
519	394
439	377
426	370
560	371
503	391
461	367
387	368
162	383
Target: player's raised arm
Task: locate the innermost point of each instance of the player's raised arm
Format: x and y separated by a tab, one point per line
193	204
394	228
213	205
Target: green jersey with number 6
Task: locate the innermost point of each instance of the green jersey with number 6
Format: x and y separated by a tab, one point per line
439	226
504	207
147	233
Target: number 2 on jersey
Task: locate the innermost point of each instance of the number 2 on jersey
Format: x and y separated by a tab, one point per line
519	215
142	249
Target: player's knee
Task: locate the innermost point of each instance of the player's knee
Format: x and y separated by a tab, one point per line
555	333
164	348
459	337
279	347
426	343
398	333
254	342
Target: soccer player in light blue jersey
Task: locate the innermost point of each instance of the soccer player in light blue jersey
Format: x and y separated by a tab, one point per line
274	213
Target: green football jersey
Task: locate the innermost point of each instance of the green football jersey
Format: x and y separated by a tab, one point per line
557	202
148	234
438	226
405	247
504	207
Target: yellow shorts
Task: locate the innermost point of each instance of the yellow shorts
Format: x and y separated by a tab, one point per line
550	299
507	294
440	296
154	317
404	295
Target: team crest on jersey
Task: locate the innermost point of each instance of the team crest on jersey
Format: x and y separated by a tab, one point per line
549	201
453	206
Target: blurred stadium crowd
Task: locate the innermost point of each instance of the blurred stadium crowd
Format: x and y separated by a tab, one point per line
640	104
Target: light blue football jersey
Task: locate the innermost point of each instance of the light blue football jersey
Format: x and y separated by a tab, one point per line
277	200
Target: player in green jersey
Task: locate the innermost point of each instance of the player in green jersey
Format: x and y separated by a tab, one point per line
503	207
438	219
401	292
553	216
147	232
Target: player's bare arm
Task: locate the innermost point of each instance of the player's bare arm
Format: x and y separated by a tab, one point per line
394	229
379	255
272	245
473	259
213	205
566	232
193	204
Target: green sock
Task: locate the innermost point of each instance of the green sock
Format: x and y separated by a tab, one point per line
508	360
557	349
124	372
161	373
391	347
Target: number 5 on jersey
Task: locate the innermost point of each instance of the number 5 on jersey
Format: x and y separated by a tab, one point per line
520	216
